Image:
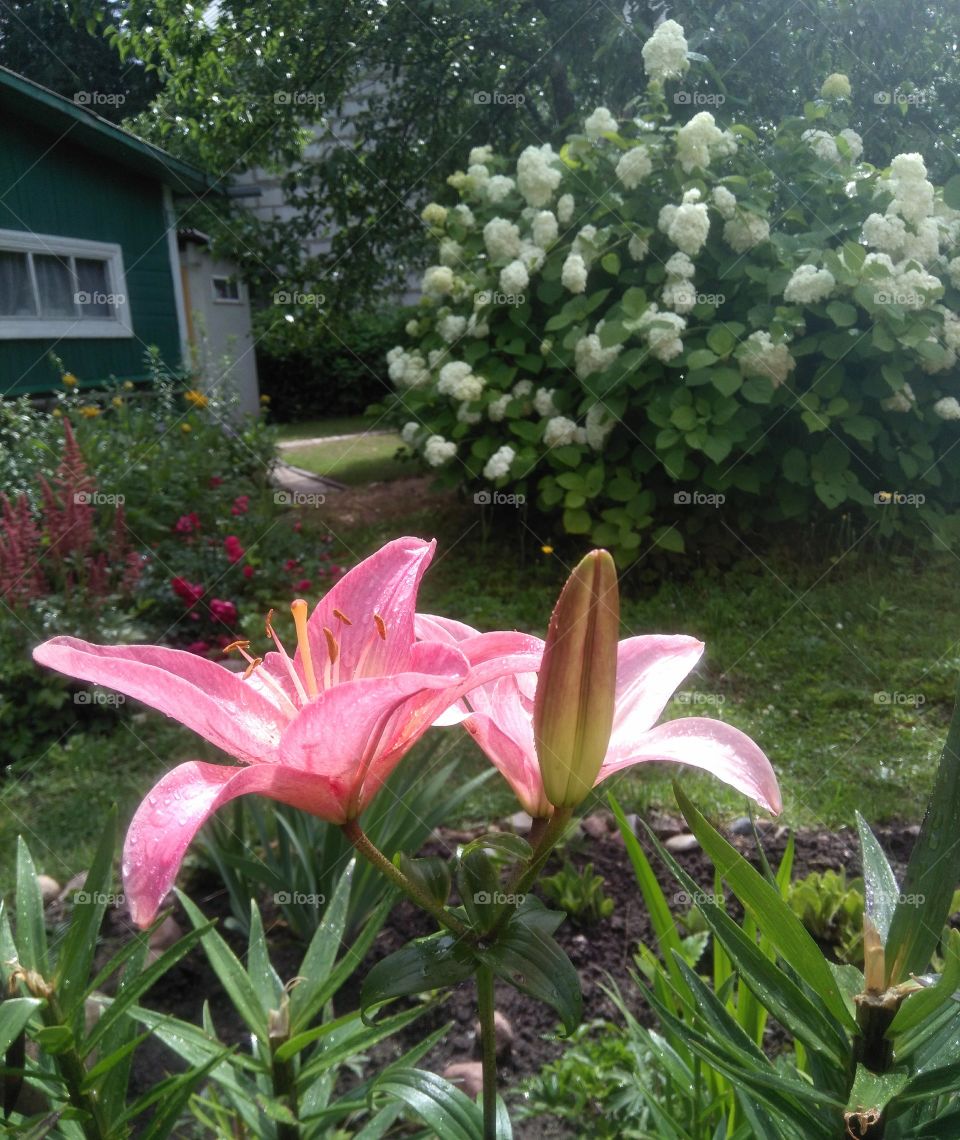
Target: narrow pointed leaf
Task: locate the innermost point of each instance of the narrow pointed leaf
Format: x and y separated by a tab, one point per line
881	892
439	1104
322	952
875	1090
14	1014
260	970
771	913
918	1007
31	936
933	870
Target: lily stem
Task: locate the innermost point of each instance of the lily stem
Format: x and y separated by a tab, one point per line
488	1046
526	876
358	837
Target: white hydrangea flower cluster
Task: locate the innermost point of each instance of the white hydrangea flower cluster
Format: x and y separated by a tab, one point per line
437	281
498	188
823	145
913	194
407	369
451	327
745	230
686	225
947	408
544	229
497	409
502	239
537	175
600	121
902	401
434	214
808	285
437	451
700	140
902	282
573	275
560	431
662	332
854	142
665	53
409	432
759	356
679	293
543	402
590	356
634	165
451	253
836	86
463	216
725	202
457	379
498	465
638	247
514	278
599	423
480	156
565	208
466	416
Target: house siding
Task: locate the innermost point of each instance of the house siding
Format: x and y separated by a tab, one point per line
49	186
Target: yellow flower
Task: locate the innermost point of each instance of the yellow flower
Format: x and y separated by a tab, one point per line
89	411
186	428
547	549
128	385
117	401
195	397
264	399
69	379
56	412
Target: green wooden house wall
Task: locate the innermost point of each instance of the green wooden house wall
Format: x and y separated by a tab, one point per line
66	191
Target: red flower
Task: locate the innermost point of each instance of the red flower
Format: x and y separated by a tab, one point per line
215	481
291	564
223	611
303	586
241	504
188	592
248	571
233	548
297	526
187	524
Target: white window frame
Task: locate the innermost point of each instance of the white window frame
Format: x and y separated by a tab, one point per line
76	328
214	278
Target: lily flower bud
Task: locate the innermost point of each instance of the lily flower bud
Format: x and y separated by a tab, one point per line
576	688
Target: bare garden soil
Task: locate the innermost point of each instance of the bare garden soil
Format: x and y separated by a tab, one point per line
603	954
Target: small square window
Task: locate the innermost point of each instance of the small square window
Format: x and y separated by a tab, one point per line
94	298
55	285
16	291
226	289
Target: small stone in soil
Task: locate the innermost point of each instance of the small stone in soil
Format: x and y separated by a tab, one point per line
49	888
502	1033
166	934
520	822
467	1076
595	826
680	843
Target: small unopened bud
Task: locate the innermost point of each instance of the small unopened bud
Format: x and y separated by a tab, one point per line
576	689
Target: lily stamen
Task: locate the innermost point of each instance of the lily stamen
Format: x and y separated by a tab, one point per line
291	672
299	610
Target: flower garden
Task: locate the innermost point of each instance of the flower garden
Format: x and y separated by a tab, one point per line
593	772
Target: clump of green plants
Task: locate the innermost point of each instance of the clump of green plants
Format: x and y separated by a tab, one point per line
579	893
831	908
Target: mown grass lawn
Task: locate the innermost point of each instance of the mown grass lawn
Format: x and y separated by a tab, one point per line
334	425
367	458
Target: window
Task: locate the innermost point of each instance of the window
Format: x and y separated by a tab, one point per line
61	287
226	290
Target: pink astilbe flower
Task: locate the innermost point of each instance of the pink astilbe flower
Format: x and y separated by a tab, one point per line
20	578
499	716
321	731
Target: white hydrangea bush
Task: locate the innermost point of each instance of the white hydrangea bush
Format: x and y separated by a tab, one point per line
654	307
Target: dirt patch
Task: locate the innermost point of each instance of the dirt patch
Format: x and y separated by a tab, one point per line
603	955
376	502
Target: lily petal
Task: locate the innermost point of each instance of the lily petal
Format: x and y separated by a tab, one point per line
385	585
166	822
713	746
508	742
209	698
649	668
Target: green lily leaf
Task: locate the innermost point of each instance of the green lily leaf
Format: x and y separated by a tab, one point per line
425	964
446	1110
431	873
31	934
880	886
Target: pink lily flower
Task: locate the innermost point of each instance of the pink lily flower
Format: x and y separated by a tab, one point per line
499	716
320	731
